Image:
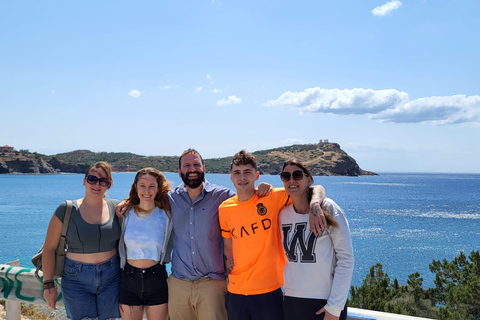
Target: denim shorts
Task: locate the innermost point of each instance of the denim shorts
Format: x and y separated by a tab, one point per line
91	290
143	287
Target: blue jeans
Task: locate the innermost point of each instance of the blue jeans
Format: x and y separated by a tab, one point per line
91	290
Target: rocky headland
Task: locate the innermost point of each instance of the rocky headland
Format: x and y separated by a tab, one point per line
323	159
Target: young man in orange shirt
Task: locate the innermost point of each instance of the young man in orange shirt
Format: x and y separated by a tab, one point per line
252	244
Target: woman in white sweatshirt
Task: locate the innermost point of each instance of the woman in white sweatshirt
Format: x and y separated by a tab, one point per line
319	268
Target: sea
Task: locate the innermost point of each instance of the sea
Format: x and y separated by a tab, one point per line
402	220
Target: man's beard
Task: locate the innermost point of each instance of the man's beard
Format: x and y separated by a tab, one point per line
193	183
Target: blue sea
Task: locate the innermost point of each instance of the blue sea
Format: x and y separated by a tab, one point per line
400	220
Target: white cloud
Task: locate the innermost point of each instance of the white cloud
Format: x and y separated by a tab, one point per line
386	8
387	105
134	93
438	110
198	89
346	101
216	90
169	86
210	78
229	100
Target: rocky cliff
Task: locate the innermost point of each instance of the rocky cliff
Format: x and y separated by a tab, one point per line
323	159
35	165
25	165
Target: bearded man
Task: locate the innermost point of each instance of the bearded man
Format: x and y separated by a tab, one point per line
197	286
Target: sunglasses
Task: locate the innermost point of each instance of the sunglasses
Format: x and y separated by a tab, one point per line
93	180
297	175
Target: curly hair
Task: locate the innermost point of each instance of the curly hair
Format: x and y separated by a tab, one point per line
243	157
161	198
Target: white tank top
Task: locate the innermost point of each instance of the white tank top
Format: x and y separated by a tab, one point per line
145	234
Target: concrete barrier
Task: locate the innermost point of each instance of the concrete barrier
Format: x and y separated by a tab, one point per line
362	314
19	284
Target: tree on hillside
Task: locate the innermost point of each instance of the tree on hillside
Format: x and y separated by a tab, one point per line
456	295
378	293
375	291
457	290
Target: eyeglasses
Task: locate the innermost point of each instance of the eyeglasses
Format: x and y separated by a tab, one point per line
297	175
93	180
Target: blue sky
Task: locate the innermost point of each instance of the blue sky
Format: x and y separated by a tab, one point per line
395	83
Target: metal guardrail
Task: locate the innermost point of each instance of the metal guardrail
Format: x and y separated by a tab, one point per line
19	284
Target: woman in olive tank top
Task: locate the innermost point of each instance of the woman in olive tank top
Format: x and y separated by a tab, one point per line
91	276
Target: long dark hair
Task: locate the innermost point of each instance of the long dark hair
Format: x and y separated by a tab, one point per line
161	198
331	221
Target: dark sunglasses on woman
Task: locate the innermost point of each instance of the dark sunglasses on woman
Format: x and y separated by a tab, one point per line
93	180
297	175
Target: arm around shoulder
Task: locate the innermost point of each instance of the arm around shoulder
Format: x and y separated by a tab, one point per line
318	223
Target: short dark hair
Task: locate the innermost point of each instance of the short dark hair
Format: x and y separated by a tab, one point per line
188	151
243	157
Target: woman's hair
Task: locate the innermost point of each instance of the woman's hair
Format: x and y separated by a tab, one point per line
161	198
331	221
298	163
105	166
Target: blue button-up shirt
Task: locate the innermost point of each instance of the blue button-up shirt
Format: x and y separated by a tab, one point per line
197	240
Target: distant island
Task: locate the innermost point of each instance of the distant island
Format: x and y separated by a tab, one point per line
323	158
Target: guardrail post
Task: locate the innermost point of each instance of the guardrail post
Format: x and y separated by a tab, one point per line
13	308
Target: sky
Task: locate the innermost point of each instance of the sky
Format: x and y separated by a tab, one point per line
395	83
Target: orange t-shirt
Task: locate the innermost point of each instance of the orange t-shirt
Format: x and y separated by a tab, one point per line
256	243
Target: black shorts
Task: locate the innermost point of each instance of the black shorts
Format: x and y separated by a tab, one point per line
266	306
304	309
143	287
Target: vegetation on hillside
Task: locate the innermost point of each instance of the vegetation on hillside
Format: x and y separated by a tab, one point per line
456	295
121	161
322	158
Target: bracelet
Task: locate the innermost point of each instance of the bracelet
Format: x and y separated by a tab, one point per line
49	285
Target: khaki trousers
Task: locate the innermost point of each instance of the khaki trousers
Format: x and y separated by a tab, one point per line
202	299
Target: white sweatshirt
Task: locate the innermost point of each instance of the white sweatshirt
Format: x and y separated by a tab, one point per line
317	267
